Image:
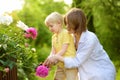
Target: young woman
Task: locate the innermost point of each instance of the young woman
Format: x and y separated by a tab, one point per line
91	59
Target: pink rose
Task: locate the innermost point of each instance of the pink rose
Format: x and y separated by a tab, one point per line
42	71
31	33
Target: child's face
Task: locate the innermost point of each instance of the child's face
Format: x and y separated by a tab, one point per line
54	27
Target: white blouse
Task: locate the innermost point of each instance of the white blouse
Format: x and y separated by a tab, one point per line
91	59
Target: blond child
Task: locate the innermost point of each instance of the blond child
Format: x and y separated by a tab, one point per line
62	44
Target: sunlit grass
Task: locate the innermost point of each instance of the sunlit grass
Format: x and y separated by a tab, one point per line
118	75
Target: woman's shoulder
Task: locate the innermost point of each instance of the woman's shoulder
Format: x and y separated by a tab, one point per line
92	36
88	36
90	33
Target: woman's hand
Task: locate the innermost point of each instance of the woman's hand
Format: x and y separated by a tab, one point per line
54	59
59	58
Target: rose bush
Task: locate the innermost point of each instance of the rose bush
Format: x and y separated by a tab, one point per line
13	39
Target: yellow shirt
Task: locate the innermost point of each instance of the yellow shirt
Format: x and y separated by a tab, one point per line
62	38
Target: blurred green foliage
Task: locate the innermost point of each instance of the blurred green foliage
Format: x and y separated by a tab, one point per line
13	51
9	46
103	19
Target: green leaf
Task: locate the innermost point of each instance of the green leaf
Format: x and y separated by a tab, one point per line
1	61
1	68
5	47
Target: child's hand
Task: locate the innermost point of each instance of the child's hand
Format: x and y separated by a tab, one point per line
51	60
47	62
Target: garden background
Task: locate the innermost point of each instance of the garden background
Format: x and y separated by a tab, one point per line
103	19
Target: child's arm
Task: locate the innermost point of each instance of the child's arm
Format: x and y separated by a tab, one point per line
63	50
51	60
52	52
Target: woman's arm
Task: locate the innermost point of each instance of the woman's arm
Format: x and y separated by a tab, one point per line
58	57
84	51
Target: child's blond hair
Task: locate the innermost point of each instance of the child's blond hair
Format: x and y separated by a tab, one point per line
54	17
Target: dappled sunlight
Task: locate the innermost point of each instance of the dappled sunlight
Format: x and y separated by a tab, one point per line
10	5
69	2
